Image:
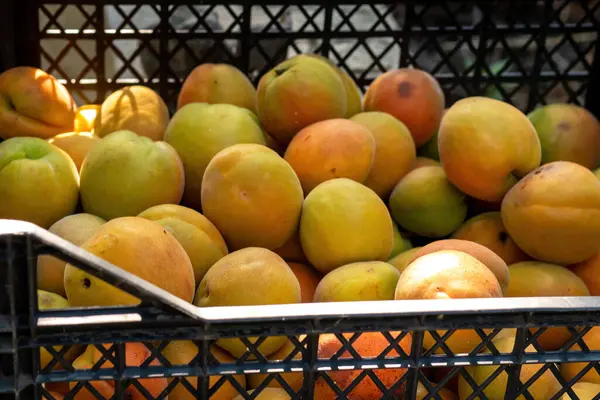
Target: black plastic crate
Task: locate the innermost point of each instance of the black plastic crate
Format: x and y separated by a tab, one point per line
525	52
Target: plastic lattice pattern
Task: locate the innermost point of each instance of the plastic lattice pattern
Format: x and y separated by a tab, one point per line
523	51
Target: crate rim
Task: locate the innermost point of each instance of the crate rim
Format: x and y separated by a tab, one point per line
284	312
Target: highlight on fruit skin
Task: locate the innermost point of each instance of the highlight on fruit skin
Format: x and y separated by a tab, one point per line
134	108
481	253
85	118
446	275
34	103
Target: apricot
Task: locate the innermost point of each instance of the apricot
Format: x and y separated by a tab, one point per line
353	95
584	391
455	274
182	352
85	118
401	243
544	387
567	132
440	373
133	108
589	272
52	301
368	345
76	228
198	131
38	181
336	148
402	260
430	149
308	278
448	274
76	145
537	279
425	162
426	203
443	393
33	103
136	355
252	196
488	230
218	84
553	214
251	276
104	387
297	93
342	222
570	370
481	253
360	281
138	246
268	393
291	251
124	174
395	151
294	379
198	236
411	95
486	146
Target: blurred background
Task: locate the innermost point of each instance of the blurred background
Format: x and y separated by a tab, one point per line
366	40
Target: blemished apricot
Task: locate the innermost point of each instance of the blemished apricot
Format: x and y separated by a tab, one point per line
411	95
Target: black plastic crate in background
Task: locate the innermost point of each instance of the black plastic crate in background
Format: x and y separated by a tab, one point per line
524	51
527	52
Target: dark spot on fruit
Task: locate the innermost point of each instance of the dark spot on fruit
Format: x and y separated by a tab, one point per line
280	71
537	172
503	236
86	283
404	89
564	126
333	170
